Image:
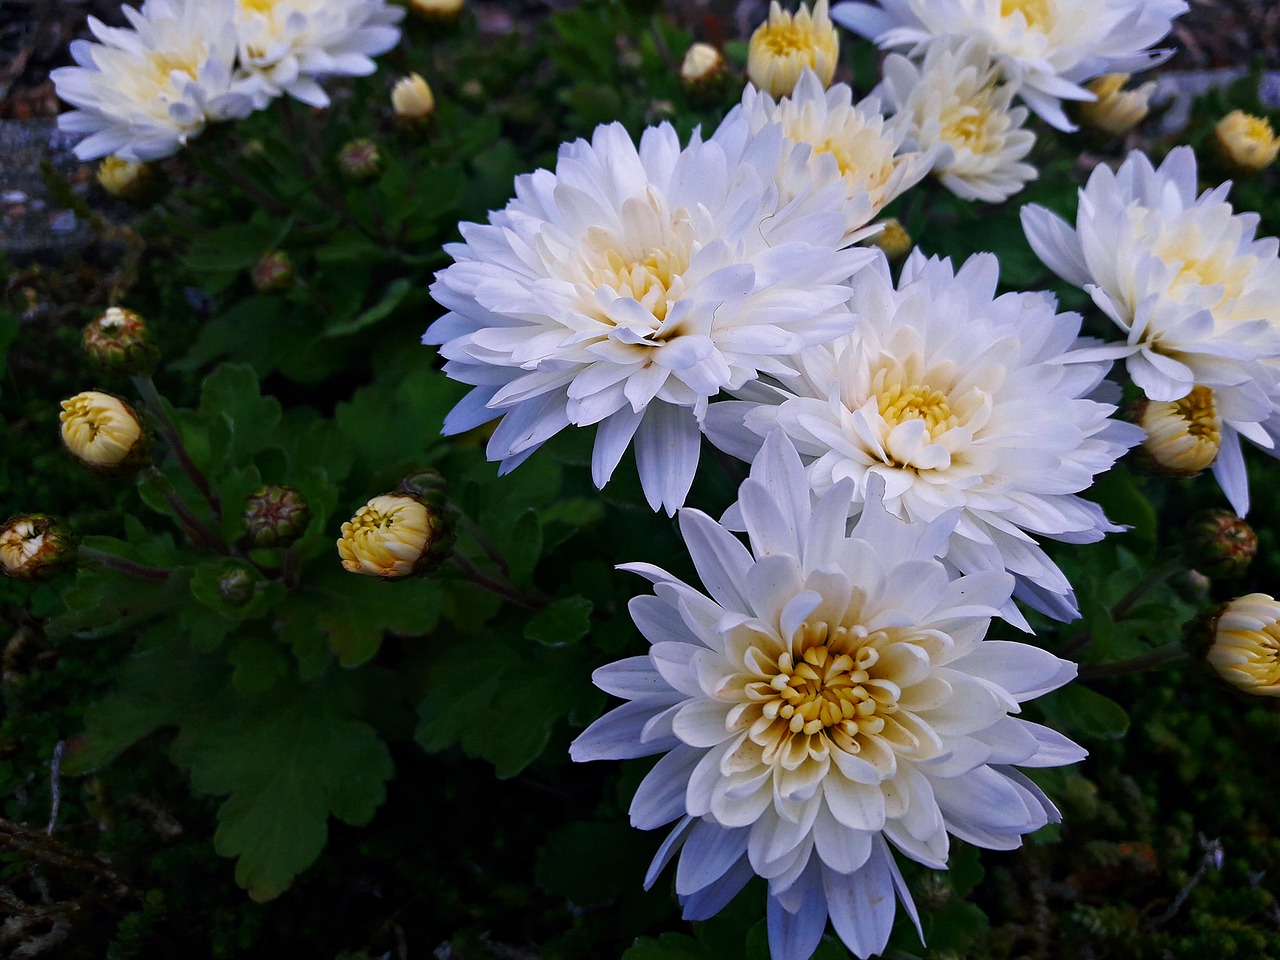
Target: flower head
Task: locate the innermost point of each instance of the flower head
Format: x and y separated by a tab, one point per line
893	240
1220	544
1247	143
360	160
957	400
101	431
287	46
954	100
824	125
832	696
1196	295
143	91
119	341
412	100
126	179
702	69
1183	436
1116	110
784	46
395	535
630	286
1246	645
275	516
35	547
1045	48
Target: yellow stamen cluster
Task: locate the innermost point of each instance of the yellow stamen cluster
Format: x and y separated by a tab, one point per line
1036	13
1183	436
784	46
1247	143
652	276
100	430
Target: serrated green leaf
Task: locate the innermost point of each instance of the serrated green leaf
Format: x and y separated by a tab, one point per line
259	663
1077	709
206	586
562	623
287	762
240	420
617	855
386	305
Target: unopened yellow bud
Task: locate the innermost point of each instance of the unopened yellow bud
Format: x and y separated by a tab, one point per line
395	535
702	63
1245	142
893	240
35	547
126	179
784	46
412	100
101	431
1246	644
1116	111
437	12
1183	436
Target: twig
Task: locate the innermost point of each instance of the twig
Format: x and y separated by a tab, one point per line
1158	657
504	590
129	568
55	786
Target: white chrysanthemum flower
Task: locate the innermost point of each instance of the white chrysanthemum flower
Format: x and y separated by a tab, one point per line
1047	48
834	695
287	45
629	286
1196	294
958	400
955	100
867	147
142	92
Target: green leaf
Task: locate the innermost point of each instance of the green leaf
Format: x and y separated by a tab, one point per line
259	663
564	622
240	421
617	855
287	763
1076	708
669	946
525	548
391	298
207	587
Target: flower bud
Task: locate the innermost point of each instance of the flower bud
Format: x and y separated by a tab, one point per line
396	535
360	160
703	64
437	12
893	240
101	431
1246	644
119	342
428	485
276	516
236	587
1116	111
1220	544
1246	143
127	180
35	547
783	46
1183	436
273	273
413	102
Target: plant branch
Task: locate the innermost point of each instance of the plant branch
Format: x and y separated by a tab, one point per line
151	398
505	590
1157	657
130	568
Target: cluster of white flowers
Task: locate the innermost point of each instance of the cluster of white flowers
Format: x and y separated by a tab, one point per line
831	698
142	92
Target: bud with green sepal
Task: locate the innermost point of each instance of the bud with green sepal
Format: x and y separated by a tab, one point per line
360	161
236	587
428	485
103	432
273	273
119	342
35	547
1220	544
276	516
396	535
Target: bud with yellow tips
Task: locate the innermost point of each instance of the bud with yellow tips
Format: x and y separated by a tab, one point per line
893	239
394	536
102	431
1246	143
1183	436
412	101
35	547
784	46
128	180
1116	110
440	13
1246	644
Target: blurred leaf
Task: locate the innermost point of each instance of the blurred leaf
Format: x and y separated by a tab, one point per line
564	622
1079	710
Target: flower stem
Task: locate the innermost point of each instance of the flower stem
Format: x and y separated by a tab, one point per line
129	568
1144	586
195	528
1157	657
151	398
498	587
474	530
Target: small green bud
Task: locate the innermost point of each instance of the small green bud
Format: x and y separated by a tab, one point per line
276	516
236	587
428	485
273	273
1220	544
35	547
119	342
360	161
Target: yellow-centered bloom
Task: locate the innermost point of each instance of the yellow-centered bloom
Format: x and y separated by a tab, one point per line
100	430
1246	142
393	536
412	100
785	45
1246	644
1116	111
1183	436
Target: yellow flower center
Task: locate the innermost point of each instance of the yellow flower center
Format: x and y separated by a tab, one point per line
826	689
1201	416
165	63
785	39
1263	663
650	274
258	6
1035	12
971	123
898	404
